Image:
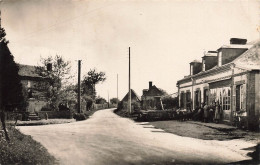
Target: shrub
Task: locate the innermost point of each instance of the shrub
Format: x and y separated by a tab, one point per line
80	116
22	149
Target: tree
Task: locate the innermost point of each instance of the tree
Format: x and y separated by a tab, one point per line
89	83
100	100
57	71
170	102
114	101
11	90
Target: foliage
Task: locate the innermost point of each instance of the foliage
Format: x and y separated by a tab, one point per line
114	101
69	94
163	92
57	71
11	90
122	105
89	83
22	149
100	100
170	102
89	101
79	116
136	106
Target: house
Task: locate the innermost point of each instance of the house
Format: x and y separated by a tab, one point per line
134	97
230	76
151	98
35	87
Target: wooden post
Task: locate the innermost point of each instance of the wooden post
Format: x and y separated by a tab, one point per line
129	93
79	68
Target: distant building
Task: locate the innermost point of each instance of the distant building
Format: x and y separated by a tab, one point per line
151	98
35	87
134	97
230	76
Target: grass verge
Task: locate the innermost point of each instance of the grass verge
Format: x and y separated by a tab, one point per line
22	149
44	122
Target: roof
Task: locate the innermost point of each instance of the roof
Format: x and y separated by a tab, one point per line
153	91
237	46
27	70
249	59
195	61
133	94
210	53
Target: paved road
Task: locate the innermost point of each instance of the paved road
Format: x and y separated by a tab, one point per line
106	138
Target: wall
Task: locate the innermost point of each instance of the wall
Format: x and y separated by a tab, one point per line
210	62
229	54
253	99
35	105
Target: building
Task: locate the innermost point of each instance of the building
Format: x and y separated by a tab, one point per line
230	76
35	87
151	98
134	97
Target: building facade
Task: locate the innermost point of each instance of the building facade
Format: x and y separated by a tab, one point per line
35	87
151	98
229	76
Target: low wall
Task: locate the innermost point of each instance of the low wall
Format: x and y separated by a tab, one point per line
55	114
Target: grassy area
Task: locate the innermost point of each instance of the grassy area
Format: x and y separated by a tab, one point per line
43	122
22	149
205	131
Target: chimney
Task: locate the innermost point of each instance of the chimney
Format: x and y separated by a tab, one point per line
209	60
49	67
195	67
238	41
150	84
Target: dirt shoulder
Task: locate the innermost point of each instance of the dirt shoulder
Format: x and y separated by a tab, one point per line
206	131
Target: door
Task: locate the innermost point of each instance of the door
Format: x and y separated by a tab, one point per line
238	97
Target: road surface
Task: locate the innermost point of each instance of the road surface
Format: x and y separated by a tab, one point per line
106	138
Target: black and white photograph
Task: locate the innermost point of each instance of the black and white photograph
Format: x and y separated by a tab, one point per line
129	82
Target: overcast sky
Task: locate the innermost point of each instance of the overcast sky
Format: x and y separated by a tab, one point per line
164	36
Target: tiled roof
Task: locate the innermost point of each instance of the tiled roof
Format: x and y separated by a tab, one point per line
250	59
27	71
153	91
133	94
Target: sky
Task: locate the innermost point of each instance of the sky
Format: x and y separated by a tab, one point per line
164	36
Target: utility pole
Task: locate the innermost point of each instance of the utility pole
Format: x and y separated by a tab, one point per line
79	68
108	98
129	93
117	86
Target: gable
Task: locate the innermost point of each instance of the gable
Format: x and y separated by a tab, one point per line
250	59
134	96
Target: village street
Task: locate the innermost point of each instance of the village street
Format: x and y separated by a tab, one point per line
106	138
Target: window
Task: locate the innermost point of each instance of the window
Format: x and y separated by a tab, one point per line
221	95
240	97
203	65
219	58
226	99
191	70
29	84
188	100
182	100
206	96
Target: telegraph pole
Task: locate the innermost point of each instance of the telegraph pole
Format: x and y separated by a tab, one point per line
129	93
108	98
117	86
79	69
